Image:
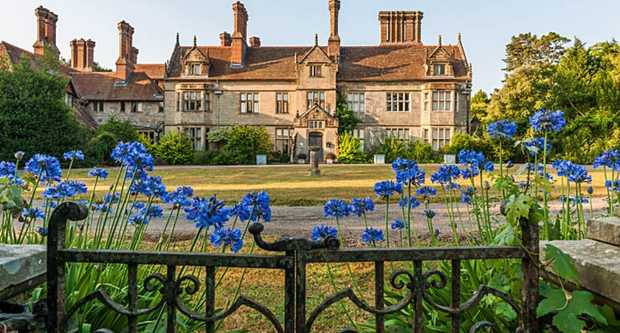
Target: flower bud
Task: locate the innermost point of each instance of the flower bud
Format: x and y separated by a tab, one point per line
19	155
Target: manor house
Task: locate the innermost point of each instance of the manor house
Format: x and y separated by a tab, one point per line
399	88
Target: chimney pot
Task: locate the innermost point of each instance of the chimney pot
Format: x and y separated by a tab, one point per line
225	39
46	31
254	41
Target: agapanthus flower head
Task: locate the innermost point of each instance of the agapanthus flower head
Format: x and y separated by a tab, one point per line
408	172
102	207
360	206
73	155
467	195
573	172
145	214
474	161
613	185
206	213
19	155
372	235
446	175
98	172
66	189
135	157
32	213
547	121
430	214
322	231
536	146
509	164
46	166
397	225
409	203
181	197
259	206
110	198
609	159
336	208
8	170
539	169
590	190
574	199
387	188
502	130
42	231
149	186
426	192
227	237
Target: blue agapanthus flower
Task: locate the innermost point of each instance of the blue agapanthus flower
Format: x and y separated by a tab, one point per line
206	213
573	172
360	206
322	231
111	198
7	169
149	186
372	235
502	130
227	237
574	199
145	214
336	208
408	172
467	195
426	192
609	159
539	170
446	175
46	166
66	189
536	146
387	188
545	120
613	185
32	213
98	172
473	162
73	155
259	206
181	197
397	225
409	203
42	231
135	157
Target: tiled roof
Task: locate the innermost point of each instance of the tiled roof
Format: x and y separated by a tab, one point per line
154	71
106	86
363	63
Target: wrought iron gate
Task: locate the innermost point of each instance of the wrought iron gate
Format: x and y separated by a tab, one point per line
295	255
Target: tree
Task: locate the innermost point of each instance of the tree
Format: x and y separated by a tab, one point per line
527	49
121	130
479	105
33	114
347	121
241	144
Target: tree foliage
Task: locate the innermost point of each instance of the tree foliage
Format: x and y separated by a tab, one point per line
174	149
240	144
346	117
33	115
350	149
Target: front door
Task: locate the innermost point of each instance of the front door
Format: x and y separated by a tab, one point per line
316	142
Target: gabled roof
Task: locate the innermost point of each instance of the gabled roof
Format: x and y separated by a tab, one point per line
15	54
106	86
315	107
154	71
318	53
357	63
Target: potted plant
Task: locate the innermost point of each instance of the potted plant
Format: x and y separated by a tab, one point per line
301	158
330	158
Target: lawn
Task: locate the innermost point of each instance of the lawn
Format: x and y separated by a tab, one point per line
287	185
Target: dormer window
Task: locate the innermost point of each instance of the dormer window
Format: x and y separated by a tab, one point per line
194	69
315	70
439	69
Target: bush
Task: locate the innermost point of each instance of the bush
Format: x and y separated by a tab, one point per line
99	148
279	157
175	149
241	144
122	130
350	149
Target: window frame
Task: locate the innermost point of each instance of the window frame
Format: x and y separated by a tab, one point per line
249	105
314	96
356	101
282	104
440	137
398	101
442	72
441	100
316	70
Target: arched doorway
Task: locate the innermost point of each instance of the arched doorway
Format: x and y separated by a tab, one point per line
315	141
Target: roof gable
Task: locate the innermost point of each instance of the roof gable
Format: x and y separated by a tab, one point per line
315	55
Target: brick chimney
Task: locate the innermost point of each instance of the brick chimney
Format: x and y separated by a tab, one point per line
46	31
254	42
126	52
82	54
225	39
401	27
239	37
334	38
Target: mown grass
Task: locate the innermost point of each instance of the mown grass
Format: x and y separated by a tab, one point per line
287	185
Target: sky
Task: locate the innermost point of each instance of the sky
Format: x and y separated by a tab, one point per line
486	25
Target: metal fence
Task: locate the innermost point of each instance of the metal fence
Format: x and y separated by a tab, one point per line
293	257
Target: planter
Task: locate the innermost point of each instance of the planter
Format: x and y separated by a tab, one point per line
261	159
449	159
379	159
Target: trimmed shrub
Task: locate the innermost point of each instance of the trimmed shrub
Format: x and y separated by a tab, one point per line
242	144
350	149
410	149
174	149
122	130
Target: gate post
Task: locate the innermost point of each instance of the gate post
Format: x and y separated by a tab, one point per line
530	267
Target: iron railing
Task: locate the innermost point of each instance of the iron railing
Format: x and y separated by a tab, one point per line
295	255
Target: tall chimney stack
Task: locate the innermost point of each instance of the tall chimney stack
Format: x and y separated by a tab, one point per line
225	39
239	37
126	57
334	37
46	31
400	27
83	54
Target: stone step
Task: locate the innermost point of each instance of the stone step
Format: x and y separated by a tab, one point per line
21	268
605	229
597	263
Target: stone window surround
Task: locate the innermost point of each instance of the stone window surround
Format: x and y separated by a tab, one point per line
249	102
282	102
356	101
315	70
315	97
440	137
398	101
193	100
400	133
442	100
